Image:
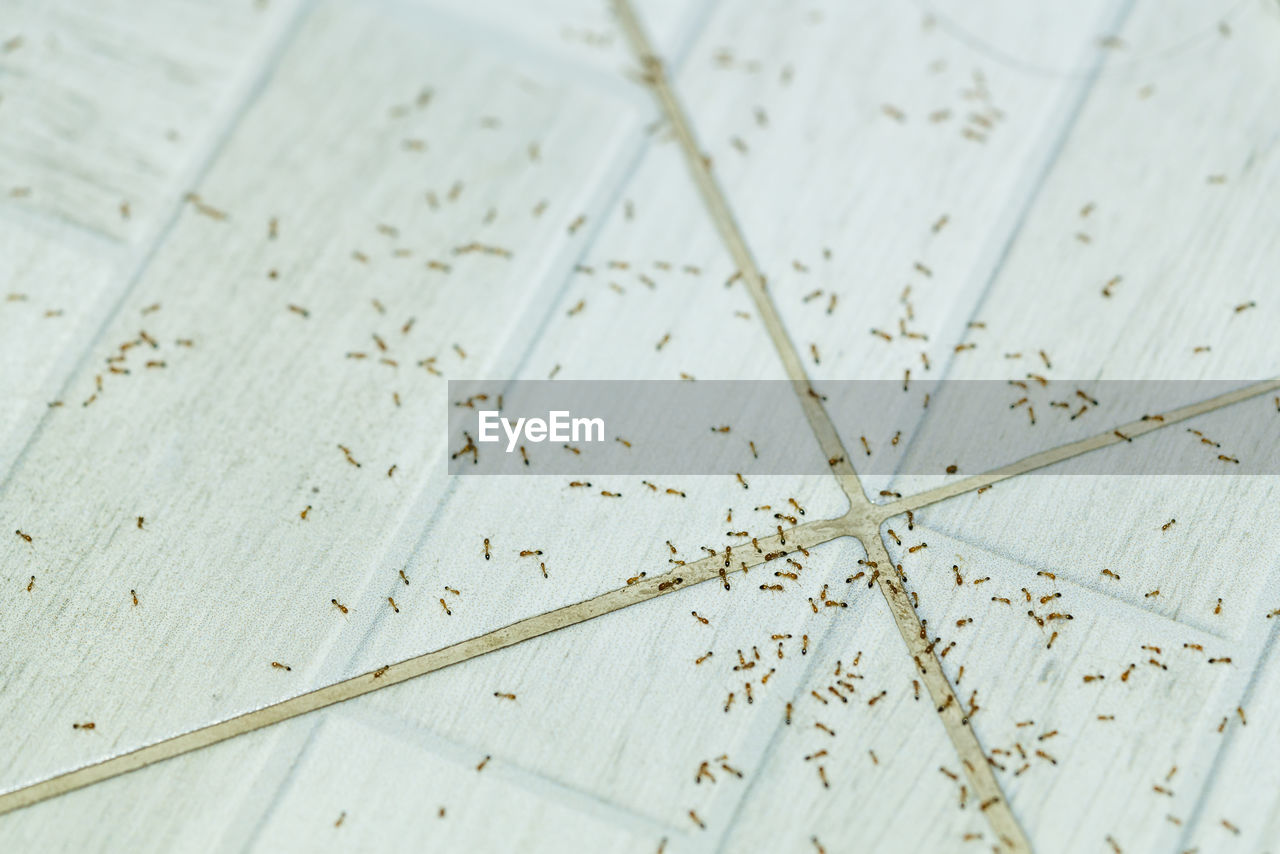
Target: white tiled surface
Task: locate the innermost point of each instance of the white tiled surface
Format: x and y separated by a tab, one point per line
402	130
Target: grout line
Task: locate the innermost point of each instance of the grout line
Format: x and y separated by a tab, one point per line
1074	449
808	535
994	804
718	207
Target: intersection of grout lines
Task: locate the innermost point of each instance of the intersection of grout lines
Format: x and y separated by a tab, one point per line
881	765
632	707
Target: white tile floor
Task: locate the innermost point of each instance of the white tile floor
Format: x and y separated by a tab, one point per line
342	150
